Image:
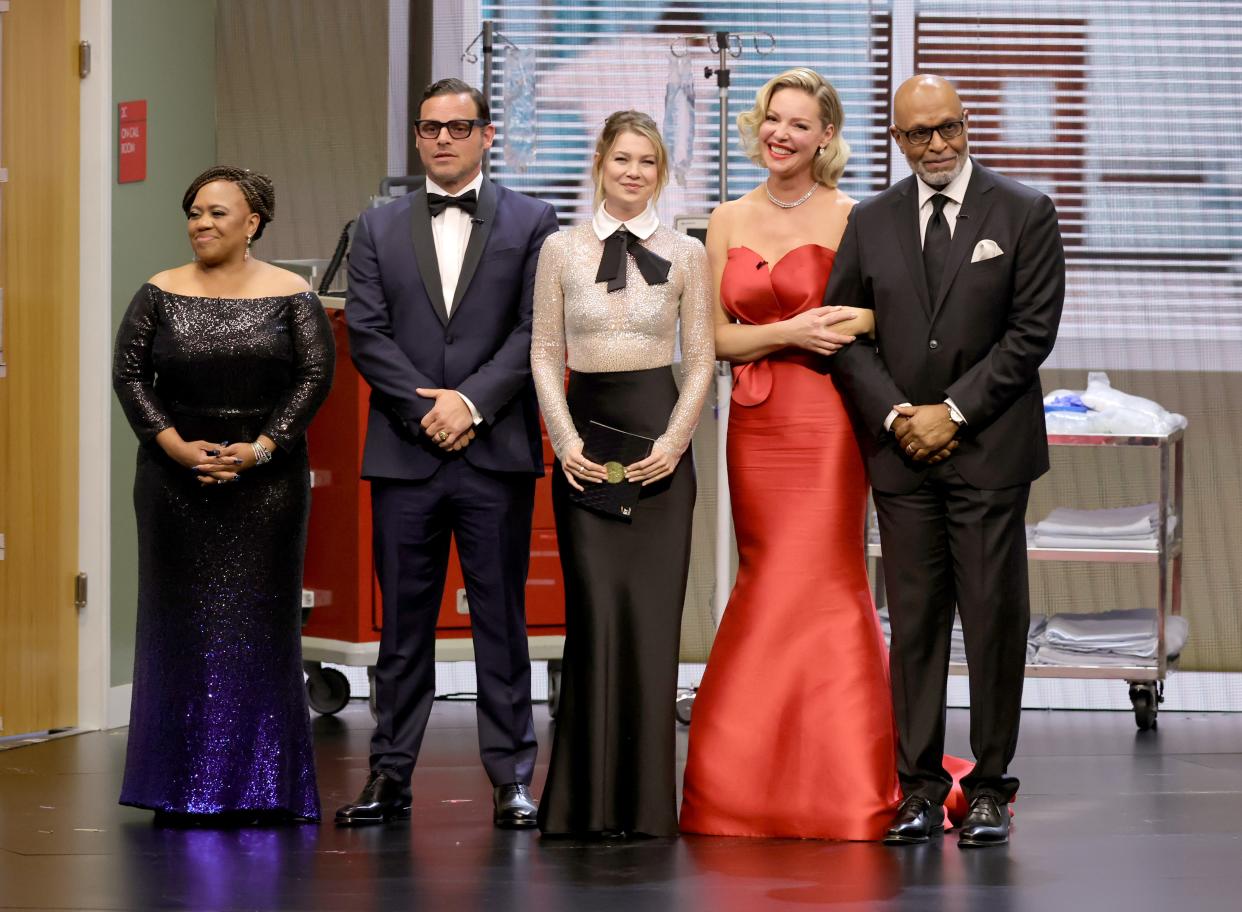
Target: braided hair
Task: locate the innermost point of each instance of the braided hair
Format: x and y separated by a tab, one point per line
257	188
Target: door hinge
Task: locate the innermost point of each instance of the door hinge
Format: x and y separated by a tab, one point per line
79	591
1	546
84	59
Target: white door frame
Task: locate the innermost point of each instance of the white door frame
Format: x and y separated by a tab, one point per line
94	384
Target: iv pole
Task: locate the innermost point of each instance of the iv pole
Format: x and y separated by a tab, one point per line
487	35
725	45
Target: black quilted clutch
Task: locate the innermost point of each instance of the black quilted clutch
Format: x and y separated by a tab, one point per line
614	449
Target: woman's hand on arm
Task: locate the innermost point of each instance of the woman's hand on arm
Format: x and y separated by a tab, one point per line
821	330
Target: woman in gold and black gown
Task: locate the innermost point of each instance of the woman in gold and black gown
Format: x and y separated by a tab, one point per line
609	294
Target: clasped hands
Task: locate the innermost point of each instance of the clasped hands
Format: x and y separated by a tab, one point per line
449	424
925	433
216	463
578	468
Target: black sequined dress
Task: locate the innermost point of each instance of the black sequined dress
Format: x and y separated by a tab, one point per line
219	721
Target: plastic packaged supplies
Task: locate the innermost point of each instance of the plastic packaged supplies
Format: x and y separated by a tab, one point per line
1100	409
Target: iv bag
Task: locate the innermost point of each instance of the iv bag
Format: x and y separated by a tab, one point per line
679	117
519	107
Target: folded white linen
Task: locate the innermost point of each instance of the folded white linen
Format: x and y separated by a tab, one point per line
1130	632
1101	628
1089	543
1050	655
1110	523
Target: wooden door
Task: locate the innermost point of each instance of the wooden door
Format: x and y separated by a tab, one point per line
39	150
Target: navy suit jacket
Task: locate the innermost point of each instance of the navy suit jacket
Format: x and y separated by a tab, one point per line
981	343
402	336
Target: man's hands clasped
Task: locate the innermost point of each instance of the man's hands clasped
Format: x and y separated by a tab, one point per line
449	424
925	433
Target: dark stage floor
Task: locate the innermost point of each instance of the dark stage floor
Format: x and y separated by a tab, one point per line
1109	819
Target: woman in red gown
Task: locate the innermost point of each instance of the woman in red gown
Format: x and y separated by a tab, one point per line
792	733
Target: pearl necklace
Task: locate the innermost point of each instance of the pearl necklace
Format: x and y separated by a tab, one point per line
796	203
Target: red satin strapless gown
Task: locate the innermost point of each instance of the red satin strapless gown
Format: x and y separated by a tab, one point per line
792	732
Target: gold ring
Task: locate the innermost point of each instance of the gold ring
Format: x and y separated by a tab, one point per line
910	448
442	436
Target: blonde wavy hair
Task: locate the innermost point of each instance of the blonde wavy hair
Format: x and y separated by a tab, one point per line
830	163
638	123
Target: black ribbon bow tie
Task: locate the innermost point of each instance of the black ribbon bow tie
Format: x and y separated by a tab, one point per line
438	202
612	264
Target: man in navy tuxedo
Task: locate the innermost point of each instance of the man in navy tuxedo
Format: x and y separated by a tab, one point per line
966	274
439	313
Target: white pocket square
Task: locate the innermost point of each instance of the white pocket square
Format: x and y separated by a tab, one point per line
985	250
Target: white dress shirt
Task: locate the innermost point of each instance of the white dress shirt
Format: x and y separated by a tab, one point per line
642	225
450	231
956	192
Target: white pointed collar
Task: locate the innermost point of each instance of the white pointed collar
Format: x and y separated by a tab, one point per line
642	225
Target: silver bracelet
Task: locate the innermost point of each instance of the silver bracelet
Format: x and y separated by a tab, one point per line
261	455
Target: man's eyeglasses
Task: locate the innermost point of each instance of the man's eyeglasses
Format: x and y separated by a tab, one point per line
921	136
458	129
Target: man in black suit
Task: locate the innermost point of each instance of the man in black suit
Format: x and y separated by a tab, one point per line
439	313
965	271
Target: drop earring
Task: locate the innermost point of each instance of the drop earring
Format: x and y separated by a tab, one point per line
249	241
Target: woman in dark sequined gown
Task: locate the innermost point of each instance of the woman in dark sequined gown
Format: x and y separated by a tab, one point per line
220	365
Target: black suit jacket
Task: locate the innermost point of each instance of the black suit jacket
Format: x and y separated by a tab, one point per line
980	343
402	336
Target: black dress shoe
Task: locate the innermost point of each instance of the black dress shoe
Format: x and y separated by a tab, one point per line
383	798
915	822
515	809
986	824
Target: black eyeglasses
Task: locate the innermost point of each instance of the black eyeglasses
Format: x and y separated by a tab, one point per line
458	129
921	136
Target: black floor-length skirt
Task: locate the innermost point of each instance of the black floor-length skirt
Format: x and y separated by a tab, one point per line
612	768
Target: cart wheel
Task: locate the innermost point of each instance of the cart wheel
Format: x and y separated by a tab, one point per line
685	703
371	704
327	689
1146	701
554	687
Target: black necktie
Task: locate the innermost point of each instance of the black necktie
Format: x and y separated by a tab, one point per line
935	246
612	264
467	202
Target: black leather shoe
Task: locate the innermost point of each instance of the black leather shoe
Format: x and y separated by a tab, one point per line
383	798
915	822
515	809
986	824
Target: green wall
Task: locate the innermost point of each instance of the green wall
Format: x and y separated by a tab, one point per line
164	51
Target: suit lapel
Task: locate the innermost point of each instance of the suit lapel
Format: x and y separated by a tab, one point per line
484	216
905	214
970	221
425	253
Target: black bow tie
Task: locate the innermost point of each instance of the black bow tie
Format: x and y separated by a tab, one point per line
438	202
612	264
